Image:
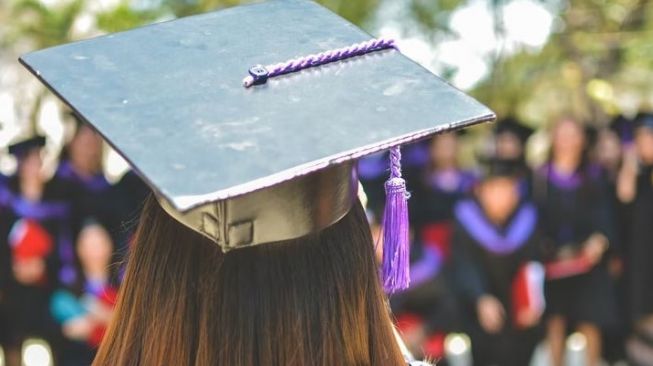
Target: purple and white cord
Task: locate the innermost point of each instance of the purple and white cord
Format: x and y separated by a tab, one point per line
259	74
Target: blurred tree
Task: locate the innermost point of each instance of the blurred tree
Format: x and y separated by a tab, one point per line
41	26
586	62
357	12
124	17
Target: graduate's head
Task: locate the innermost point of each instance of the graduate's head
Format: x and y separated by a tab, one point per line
568	138
85	148
607	149
498	192
644	137
28	157
314	300
94	248
444	150
511	136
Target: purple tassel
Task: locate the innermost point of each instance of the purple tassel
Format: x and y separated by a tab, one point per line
396	249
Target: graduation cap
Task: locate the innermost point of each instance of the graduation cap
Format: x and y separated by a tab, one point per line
513	126
494	166
22	147
247	154
644	119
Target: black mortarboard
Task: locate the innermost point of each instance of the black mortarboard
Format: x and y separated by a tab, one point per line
494	166
515	127
644	119
248	165
22	147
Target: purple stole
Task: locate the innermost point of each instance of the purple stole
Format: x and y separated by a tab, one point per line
567	182
96	183
455	181
426	267
519	230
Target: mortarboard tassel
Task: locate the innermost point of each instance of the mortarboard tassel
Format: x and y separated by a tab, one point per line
396	249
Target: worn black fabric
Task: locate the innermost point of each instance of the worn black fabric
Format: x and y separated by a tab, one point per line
640	250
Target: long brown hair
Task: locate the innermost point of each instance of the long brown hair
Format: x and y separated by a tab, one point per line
312	301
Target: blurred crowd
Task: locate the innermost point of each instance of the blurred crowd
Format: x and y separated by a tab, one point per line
62	241
507	253
514	255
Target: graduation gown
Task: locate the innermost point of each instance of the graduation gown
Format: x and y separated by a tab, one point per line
640	253
432	202
429	297
27	305
90	197
488	260
572	208
67	304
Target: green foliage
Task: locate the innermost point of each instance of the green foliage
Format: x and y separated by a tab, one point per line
124	17
433	16
44	26
601	56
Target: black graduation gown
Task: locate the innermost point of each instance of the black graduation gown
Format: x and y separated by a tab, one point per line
5	262
482	269
90	197
431	206
571	210
430	296
640	251
131	193
27	305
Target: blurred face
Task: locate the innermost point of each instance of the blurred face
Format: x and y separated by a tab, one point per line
29	167
644	144
509	146
94	248
444	149
499	197
568	139
86	150
608	148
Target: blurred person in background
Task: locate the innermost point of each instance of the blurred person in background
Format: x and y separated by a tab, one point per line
510	138
574	213
635	187
81	173
441	185
496	252
607	153
34	234
84	309
428	311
